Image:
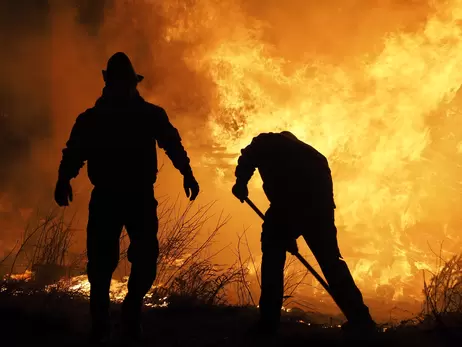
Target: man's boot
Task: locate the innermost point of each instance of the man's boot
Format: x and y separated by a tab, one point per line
131	329
101	329
101	332
360	330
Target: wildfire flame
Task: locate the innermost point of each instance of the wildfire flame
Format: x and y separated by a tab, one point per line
372	119
25	276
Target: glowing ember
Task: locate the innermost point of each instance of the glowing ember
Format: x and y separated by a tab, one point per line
80	285
26	276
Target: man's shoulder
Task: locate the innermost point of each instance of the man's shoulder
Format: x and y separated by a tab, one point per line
86	115
153	108
265	136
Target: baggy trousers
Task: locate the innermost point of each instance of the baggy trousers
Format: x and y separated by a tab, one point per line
109	212
320	233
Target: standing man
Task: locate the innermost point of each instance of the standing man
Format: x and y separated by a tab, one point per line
297	181
117	139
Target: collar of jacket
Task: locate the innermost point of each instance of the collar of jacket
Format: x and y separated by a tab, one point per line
106	100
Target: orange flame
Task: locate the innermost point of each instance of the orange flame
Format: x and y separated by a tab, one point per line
372	119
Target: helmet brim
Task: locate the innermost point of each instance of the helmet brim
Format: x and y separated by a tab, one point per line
139	78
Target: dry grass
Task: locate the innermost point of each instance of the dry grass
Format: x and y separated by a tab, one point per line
43	248
248	287
443	293
187	274
442	306
186	271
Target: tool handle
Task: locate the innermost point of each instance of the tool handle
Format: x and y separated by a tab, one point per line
255	208
314	273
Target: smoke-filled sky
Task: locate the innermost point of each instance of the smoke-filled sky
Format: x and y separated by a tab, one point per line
371	83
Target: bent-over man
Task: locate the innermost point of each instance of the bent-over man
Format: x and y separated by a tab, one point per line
297	181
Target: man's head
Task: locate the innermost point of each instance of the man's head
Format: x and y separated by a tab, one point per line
289	135
120	76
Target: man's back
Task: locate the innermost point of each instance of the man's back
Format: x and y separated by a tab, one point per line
292	171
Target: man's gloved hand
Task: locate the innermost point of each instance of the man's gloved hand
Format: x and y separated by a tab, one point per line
63	192
191	187
291	246
240	191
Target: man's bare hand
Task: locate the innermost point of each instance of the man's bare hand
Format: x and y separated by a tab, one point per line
63	192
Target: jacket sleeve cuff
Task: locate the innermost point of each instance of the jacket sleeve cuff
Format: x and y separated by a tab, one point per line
241	181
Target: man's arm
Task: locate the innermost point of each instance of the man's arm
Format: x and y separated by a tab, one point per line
75	153
248	161
246	166
73	158
168	138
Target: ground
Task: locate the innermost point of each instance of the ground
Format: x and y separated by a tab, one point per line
42	319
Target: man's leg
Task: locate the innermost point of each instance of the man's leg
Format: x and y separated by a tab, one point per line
142	227
272	270
322	240
103	233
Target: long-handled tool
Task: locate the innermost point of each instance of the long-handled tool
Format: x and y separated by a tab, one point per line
297	254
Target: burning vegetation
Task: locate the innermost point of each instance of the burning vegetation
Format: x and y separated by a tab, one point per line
185	268
188	273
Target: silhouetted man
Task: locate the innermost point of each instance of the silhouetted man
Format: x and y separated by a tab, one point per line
297	181
117	138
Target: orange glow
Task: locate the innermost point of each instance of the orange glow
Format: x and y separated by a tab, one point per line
372	118
118	290
26	276
374	85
